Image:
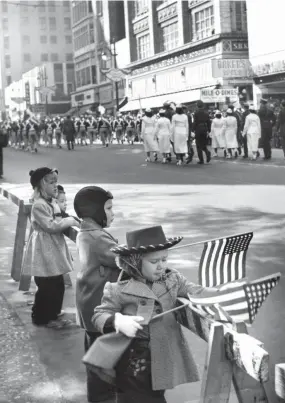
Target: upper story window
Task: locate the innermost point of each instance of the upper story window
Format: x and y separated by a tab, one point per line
43	39
81	37
239	15
141	7
27	57
44	57
6	42
52	23
4	6
7	61
25	21
26	40
53	39
54	57
68	39
51	6
204	23
67	24
8	80
143	46
5	24
69	57
99	8
42	6
80	11
43	23
170	36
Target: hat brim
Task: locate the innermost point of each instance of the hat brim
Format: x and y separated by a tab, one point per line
123	250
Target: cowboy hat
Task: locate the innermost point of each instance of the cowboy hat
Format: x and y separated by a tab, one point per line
146	240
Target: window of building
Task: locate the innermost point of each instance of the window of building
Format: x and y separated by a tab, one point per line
53	39
25	21
7	61
141	7
26	40
170	36
69	88
51	6
69	57
58	72
99	8
239	14
91	32
68	39
43	39
6	42
5	24
83	77
81	37
143	46
204	23
43	23
27	57
70	72
52	23
8	80
79	11
44	57
54	57
4	6
42	7
66	5
67	24
24	8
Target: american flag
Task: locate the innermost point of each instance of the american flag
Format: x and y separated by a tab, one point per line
223	260
240	301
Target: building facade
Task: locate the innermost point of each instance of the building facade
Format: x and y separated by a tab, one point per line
176	47
96	33
45	90
267	50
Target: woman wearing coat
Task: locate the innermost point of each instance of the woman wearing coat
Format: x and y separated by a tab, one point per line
231	128
252	130
218	133
147	134
179	136
163	131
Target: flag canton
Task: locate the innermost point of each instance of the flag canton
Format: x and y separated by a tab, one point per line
256	294
237	243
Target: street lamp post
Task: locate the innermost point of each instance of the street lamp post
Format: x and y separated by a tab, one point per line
114	55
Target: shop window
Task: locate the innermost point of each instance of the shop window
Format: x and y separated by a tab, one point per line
204	23
170	38
143	46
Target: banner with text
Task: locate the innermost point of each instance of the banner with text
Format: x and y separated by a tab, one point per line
230	68
219	95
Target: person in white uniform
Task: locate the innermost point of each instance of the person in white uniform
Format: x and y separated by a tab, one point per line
163	132
147	134
231	134
252	130
179	135
218	134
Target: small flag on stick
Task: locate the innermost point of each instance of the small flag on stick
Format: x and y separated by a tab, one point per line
223	260
241	302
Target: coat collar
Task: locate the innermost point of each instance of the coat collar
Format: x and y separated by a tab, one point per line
139	289
88	224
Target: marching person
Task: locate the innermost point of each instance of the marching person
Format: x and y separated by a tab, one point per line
218	134
148	136
231	127
201	128
130	130
105	133
244	115
268	120
179	133
281	125
49	132
47	257
93	205
252	129
68	129
32	128
57	126
163	132
119	128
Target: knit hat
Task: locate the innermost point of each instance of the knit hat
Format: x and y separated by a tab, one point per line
38	174
90	201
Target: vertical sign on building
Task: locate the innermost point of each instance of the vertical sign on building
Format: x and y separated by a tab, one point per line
27	94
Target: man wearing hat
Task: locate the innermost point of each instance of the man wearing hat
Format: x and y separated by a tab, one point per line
245	113
201	128
268	120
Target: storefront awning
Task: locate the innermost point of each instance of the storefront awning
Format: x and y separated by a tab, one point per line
157	102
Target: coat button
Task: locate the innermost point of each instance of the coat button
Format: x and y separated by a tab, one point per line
143	302
158	311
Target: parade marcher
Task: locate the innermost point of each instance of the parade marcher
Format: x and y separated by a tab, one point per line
268	120
201	128
156	356
119	128
47	257
57	126
252	129
82	129
190	137
105	133
218	134
93	205
236	115
91	129
130	130
25	132
147	133
4	141
231	127
68	129
49	132
244	115
163	133
179	133
32	128
281	125
138	128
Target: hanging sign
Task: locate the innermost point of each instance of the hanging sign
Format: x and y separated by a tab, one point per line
219	95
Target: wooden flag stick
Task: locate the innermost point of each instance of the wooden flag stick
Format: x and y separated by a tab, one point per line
170	311
201	242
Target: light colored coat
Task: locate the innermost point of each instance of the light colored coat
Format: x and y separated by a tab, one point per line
252	129
163	132
172	363
180	131
46	253
147	134
97	266
218	133
231	132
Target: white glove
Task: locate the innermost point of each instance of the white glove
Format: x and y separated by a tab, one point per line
128	325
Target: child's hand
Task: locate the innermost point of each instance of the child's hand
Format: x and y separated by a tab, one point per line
72	222
128	325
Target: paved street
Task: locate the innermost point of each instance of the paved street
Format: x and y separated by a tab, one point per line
197	202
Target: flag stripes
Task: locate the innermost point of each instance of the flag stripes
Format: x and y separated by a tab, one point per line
223	260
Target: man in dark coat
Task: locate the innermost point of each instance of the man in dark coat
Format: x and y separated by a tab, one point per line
244	115
190	140
267	120
281	125
201	128
169	112
68	129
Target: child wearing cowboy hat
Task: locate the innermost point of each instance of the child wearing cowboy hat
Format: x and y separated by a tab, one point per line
156	356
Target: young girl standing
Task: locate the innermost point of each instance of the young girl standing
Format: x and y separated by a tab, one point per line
47	257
